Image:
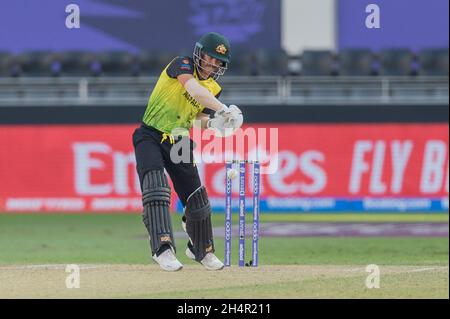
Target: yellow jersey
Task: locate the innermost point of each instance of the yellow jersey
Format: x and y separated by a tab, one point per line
170	106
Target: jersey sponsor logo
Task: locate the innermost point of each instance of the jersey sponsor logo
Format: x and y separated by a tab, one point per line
222	49
185	65
191	100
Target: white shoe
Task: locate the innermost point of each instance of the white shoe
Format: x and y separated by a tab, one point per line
210	261
168	261
190	254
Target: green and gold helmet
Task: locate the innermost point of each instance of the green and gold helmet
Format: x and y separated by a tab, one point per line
217	46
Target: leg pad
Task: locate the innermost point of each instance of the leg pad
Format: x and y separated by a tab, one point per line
156	215
198	223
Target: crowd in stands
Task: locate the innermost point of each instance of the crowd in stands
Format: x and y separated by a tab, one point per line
353	62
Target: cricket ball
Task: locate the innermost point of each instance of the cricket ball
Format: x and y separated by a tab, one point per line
232	173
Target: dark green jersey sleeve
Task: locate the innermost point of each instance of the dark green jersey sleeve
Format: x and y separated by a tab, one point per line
180	65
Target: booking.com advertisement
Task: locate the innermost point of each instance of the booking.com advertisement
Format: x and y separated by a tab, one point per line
305	168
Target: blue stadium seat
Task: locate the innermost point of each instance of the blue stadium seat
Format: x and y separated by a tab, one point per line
396	62
318	63
119	63
356	62
151	63
434	62
81	63
163	58
243	63
4	62
272	62
40	63
9	65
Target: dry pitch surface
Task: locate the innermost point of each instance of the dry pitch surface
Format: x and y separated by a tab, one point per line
149	281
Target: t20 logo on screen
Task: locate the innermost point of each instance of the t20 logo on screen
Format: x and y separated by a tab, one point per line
237	19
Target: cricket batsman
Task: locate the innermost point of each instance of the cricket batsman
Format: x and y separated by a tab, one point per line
186	92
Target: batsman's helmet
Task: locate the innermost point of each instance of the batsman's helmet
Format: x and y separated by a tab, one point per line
217	46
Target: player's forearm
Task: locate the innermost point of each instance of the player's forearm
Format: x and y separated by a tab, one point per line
203	96
202	121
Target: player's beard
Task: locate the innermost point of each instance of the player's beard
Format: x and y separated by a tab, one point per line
206	73
215	72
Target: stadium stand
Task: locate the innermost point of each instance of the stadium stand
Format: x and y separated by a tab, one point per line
259	77
351	62
434	62
396	62
316	63
356	62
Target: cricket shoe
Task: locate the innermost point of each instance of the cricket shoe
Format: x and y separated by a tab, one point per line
168	261
210	261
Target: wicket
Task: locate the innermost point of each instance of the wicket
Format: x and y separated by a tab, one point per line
228	212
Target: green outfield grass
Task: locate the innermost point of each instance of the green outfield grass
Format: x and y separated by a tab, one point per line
322	267
121	238
354	217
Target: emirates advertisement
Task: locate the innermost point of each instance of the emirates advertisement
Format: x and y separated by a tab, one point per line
305	168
